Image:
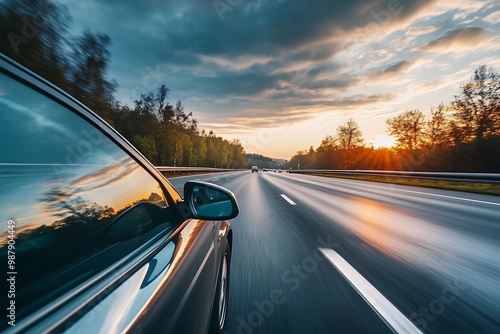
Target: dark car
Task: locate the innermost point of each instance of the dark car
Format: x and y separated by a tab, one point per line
94	238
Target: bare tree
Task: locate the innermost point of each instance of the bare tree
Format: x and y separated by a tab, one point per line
349	138
349	135
408	129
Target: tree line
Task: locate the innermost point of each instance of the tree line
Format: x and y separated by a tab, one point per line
261	161
462	136
36	33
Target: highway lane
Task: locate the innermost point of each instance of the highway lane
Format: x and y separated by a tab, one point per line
432	254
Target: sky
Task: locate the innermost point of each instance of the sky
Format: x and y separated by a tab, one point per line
281	75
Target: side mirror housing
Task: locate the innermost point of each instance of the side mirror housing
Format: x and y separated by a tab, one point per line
209	201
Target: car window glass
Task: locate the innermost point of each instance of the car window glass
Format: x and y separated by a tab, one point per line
76	201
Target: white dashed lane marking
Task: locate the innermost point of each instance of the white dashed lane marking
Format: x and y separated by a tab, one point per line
288	199
388	312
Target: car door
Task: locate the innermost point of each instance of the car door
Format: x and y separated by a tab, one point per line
185	298
95	238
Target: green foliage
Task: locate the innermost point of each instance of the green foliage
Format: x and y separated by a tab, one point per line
169	136
35	32
259	160
146	145
477	108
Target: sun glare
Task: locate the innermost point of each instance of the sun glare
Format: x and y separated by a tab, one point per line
385	141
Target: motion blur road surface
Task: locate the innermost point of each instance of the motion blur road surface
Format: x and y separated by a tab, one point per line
325	255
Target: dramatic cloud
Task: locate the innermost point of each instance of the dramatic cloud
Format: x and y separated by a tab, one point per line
417	31
396	69
493	18
465	38
252	64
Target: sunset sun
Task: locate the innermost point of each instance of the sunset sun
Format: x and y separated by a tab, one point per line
385	141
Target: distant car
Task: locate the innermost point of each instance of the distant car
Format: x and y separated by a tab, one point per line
264	169
100	240
280	171
255	169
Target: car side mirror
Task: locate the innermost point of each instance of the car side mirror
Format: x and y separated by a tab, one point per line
209	201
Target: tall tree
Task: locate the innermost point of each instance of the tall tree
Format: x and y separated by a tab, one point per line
152	116
327	153
211	153
408	129
146	145
301	160
181	125
199	152
477	107
238	154
437	128
223	153
34	33
88	81
349	137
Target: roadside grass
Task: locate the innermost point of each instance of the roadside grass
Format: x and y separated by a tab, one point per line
481	188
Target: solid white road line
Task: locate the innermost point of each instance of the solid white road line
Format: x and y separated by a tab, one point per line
438	195
288	199
214	180
431	194
451	197
388	312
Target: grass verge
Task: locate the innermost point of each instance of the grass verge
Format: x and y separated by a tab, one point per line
177	174
481	188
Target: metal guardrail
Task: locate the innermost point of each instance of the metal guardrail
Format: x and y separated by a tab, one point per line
492	178
179	170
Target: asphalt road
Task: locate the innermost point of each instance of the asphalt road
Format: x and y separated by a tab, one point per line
324	255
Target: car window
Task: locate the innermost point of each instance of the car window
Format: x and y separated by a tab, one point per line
72	202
